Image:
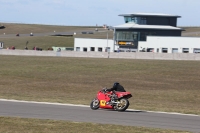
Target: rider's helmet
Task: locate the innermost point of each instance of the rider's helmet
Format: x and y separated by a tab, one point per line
115	84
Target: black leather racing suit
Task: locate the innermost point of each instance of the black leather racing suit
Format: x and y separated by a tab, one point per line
117	87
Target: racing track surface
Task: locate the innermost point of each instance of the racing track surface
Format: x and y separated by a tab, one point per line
85	114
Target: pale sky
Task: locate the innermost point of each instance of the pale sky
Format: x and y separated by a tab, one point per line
92	12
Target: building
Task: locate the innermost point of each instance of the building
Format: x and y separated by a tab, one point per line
160	44
143	32
96	45
140	25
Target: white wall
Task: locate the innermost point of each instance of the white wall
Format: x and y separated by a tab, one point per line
97	43
157	42
120	55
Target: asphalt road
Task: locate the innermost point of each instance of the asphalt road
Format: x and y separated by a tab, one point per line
85	114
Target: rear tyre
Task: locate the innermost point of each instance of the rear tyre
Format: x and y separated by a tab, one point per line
94	105
122	105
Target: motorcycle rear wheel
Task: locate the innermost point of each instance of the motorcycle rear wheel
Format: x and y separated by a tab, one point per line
94	105
122	105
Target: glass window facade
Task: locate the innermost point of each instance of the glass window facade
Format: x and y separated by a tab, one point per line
137	20
126	36
77	48
143	35
132	36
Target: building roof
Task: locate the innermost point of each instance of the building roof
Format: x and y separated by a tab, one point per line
137	26
149	14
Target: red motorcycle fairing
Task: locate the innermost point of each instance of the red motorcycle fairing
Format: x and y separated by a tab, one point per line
123	94
104	99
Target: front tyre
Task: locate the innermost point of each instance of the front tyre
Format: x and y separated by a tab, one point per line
122	105
94	105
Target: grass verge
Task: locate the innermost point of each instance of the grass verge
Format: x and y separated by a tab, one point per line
43	42
22	125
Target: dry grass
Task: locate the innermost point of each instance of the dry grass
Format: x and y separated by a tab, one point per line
17	125
191	31
156	85
12	28
43	42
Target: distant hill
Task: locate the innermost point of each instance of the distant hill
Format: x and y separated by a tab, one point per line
191	31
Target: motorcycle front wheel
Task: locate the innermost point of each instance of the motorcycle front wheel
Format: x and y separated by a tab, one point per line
94	105
122	105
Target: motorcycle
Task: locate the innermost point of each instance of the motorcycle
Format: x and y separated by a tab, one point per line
111	100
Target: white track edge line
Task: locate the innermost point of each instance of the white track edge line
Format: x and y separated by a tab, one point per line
79	105
21	101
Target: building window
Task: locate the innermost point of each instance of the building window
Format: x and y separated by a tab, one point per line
143	20
107	49
196	50
135	36
127	19
164	50
137	20
143	35
85	49
100	49
150	49
134	19
92	49
174	50
126	36
185	50
77	48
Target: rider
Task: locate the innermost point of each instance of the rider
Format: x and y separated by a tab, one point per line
116	87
